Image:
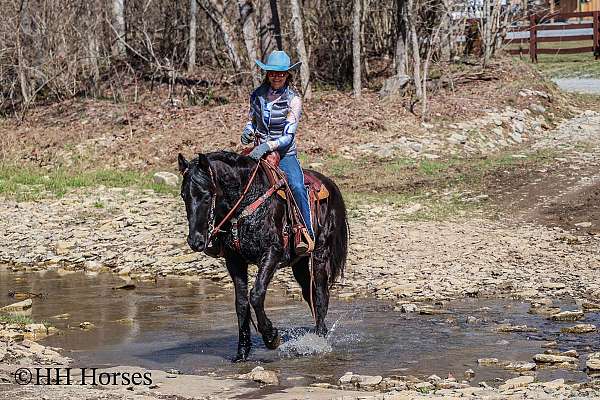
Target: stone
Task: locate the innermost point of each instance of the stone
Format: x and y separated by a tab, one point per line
94	266
366	380
408	308
20	306
555	384
346	378
580	328
516	328
424	387
568	316
593	362
166	178
86	325
517	382
394	85
537	108
521	366
261	375
585	224
553	359
6	335
487	361
457	138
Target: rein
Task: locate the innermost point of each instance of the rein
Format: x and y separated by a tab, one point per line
217	229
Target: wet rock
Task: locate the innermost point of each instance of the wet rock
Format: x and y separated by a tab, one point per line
346	378
20	306
570	353
487	361
408	308
94	266
518	382
516	328
469	374
593	362
165	178
550	345
521	366
587	306
580	328
261	375
86	325
568	316
552	359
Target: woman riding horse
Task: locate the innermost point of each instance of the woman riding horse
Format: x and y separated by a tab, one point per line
229	198
275	110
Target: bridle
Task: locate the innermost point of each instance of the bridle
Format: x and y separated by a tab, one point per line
213	231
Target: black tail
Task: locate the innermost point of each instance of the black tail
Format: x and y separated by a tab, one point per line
337	231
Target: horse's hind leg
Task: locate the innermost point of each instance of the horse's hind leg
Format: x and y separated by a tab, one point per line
319	300
238	269
265	273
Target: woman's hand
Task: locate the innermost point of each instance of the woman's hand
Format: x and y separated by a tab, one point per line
247	136
260	151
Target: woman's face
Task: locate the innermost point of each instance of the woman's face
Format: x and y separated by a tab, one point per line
277	79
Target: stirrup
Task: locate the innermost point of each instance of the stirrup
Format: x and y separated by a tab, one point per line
307	245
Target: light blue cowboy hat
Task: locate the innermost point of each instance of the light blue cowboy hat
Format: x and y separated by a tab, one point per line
277	61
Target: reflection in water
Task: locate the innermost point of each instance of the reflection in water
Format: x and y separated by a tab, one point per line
192	326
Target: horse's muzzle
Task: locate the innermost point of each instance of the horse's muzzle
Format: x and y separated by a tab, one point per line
196	242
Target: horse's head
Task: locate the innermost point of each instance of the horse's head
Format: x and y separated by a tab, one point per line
199	192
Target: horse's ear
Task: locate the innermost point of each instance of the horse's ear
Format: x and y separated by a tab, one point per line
203	162
183	163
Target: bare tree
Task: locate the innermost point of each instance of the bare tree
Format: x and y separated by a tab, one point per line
119	27
301	49
215	10
250	38
192	42
356	16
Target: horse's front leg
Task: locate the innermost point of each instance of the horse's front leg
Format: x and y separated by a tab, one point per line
266	269
238	270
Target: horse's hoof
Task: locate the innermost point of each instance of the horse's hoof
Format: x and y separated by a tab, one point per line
274	342
242	355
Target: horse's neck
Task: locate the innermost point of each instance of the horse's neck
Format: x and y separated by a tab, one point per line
233	181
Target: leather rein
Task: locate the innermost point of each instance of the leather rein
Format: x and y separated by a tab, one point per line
248	210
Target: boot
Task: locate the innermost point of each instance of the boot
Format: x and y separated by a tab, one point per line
306	244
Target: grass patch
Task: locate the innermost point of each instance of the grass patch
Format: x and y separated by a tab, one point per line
26	184
15	319
559	65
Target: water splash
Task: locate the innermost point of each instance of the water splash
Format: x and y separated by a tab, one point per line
304	343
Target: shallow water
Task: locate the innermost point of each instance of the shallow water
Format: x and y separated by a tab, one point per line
192	327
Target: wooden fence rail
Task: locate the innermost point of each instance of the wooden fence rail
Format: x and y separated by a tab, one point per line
535	26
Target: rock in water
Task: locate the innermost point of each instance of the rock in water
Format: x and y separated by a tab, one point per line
20	306
552	359
166	178
581	328
568	316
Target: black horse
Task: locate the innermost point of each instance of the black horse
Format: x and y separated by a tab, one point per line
212	185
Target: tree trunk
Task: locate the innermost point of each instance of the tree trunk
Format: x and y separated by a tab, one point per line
276	24
356	83
21	63
192	42
215	12
401	54
119	24
414	40
301	49
267	44
250	38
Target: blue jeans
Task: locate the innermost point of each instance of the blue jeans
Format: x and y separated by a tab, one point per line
291	167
